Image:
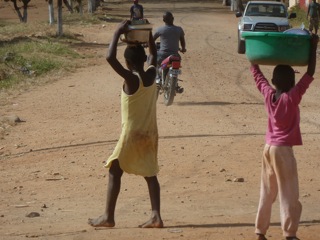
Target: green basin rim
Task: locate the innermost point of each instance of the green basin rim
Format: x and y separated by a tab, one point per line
273	34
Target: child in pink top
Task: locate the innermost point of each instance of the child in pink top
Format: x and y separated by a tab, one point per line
279	168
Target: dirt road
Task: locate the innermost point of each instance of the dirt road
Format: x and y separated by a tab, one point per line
52	163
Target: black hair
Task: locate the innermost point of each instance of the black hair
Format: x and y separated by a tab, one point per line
167	14
168	17
283	78
135	54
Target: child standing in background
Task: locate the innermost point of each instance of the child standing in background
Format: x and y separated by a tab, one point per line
136	11
279	168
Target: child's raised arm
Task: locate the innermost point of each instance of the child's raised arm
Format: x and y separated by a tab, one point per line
152	50
112	52
313	55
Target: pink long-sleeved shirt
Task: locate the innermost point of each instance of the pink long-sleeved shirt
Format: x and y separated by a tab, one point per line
283	114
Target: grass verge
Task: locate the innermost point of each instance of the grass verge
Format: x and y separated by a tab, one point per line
24	59
300	19
29	52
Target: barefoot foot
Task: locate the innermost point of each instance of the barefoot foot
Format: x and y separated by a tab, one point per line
152	223
101	221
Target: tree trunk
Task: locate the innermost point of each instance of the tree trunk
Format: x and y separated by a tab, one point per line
16	8
240	6
25	15
51	12
98	3
71	3
66	2
91	6
80	6
25	11
59	31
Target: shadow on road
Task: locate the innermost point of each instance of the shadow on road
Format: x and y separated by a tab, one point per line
226	225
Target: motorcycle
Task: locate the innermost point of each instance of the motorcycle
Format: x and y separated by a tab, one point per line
167	84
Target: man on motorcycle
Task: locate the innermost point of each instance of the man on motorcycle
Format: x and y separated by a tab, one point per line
170	37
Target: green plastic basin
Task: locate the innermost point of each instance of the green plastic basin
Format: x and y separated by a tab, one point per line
274	48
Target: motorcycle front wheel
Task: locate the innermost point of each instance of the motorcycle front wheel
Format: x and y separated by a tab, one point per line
169	90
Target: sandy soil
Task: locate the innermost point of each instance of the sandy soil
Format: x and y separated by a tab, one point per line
52	163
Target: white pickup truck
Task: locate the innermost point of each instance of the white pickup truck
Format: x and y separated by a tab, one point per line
262	16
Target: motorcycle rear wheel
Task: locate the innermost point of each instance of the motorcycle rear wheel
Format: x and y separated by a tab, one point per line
158	90
169	91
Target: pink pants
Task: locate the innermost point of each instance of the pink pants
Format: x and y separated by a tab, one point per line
279	176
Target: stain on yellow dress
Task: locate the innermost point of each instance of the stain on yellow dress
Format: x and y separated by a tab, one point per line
137	147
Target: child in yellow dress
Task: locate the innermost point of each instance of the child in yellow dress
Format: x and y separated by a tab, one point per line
137	148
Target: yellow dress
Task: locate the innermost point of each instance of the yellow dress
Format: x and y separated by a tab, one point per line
137	147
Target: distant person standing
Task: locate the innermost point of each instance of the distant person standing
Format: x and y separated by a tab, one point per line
136	10
313	16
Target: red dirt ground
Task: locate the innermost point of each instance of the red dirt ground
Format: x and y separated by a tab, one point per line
213	133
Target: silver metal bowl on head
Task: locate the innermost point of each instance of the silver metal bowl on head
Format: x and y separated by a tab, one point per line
138	33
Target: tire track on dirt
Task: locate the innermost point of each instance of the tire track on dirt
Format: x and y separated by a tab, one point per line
241	74
231	56
221	55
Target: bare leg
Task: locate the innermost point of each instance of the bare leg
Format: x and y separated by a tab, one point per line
154	192
107	219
